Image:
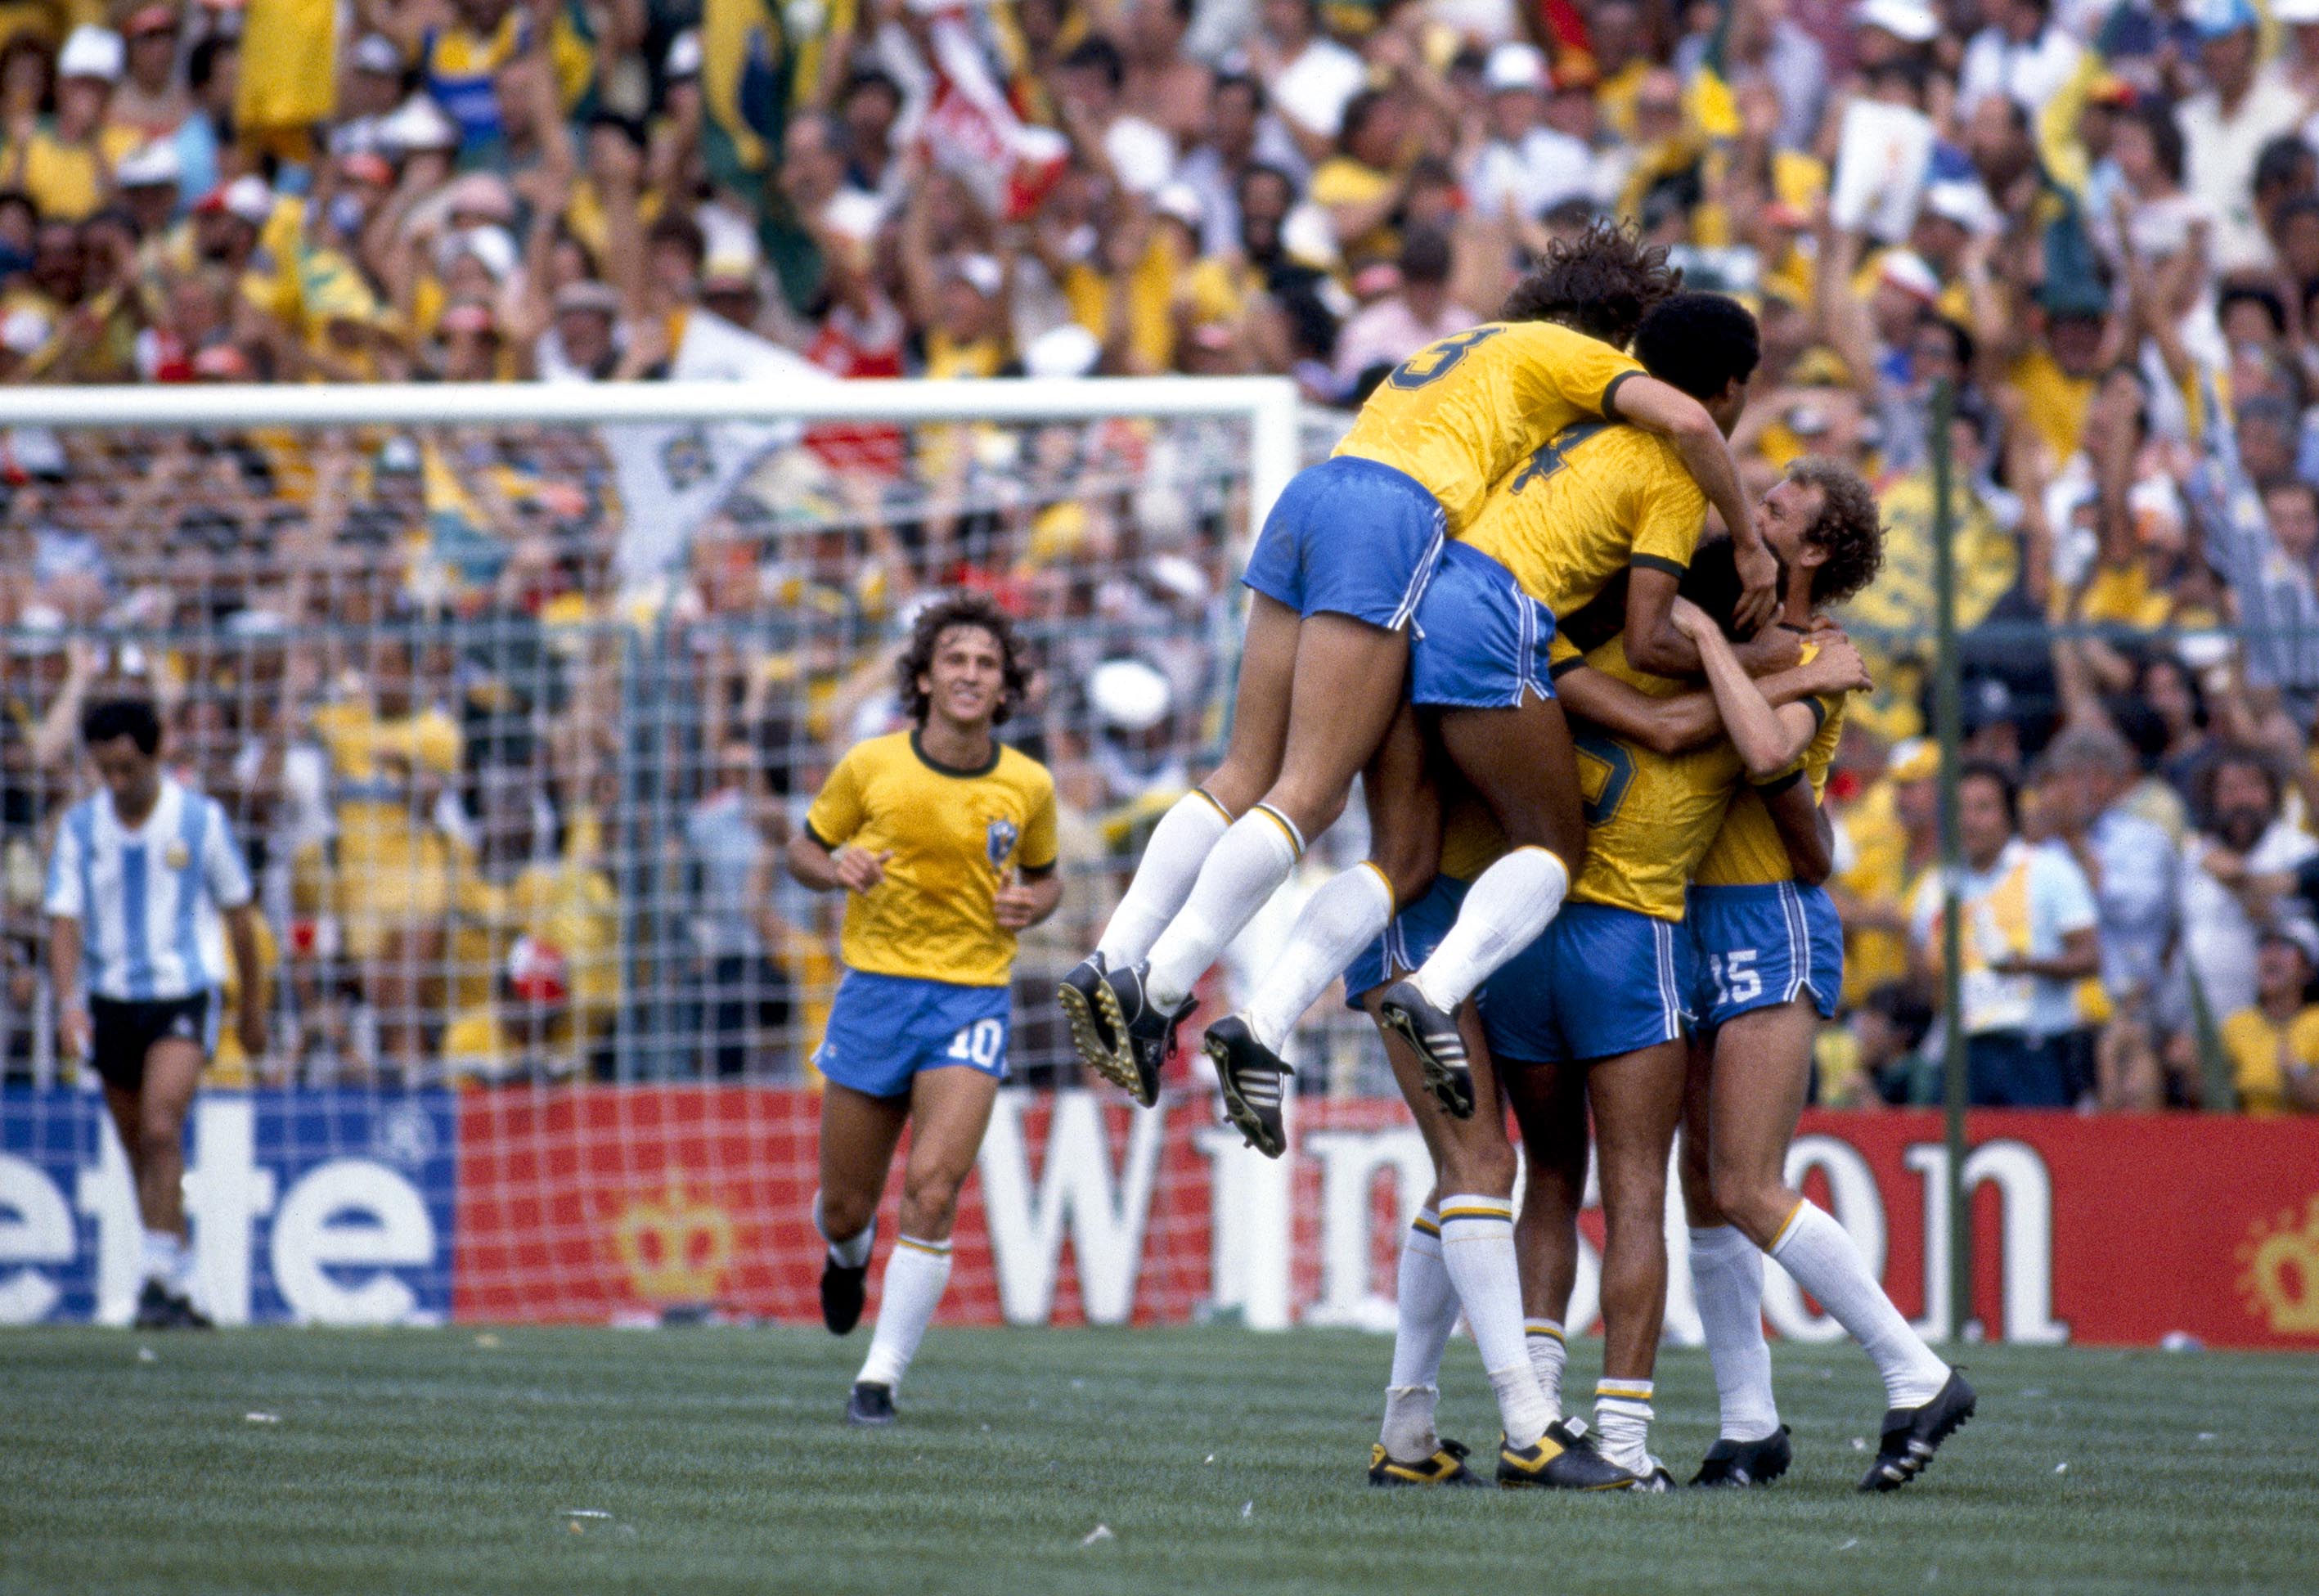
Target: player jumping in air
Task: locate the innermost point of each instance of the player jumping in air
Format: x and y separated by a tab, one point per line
1337	572
1594	504
943	839
1770	957
145	884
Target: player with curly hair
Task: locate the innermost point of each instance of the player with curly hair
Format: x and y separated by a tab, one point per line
1335	579
943	840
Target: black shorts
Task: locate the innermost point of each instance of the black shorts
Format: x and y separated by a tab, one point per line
121	1033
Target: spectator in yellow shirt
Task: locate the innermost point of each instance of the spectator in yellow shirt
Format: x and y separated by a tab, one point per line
64	162
2274	1046
1364	185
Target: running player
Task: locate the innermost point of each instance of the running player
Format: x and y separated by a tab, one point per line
1602	996
145	884
1770	951
1460	1251
1336	573
1594	504
944	840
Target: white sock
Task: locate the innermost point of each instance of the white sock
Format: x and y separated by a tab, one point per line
851	1252
165	1258
1549	1353
1163	878
1727	1278
1814	1249
916	1273
1336	923
1623	1422
1425	1304
1478	1248
1425	1312
1506	907
1242	871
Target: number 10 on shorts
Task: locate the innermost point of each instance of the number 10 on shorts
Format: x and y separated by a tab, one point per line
978	1043
1736	978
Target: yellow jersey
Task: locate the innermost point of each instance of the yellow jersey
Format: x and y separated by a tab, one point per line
2253	1041
1748	851
1650	817
1464	411
372	758
1583	506
955	835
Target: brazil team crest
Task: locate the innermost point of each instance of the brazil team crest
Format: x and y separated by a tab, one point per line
1000	840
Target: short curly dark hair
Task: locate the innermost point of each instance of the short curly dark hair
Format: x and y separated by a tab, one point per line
1700	343
1848	527
1602	283
960	610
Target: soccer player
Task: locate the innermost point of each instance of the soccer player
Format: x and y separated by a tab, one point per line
943	840
1603	996
1593	504
1336	574
1460	1251
1771	950
145	884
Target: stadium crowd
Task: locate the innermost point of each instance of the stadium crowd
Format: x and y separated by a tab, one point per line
463	721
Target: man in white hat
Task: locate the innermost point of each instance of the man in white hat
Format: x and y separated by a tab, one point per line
148	181
1526	168
1890	31
2024	53
63	165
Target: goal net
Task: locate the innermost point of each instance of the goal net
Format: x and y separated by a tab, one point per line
512	695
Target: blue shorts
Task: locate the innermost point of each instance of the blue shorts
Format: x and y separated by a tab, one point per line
1349	537
1409	941
884	1029
1599	982
1481	641
1759	947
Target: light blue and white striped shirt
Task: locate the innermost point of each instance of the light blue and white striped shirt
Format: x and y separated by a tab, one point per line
150	900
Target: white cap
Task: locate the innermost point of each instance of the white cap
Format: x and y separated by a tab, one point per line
2295	12
1515	65
1911	21
1180	200
684	55
249	198
156	166
23	331
91	52
1129	694
1906	270
1964	200
494	246
983	272
375	52
1070	350
419	123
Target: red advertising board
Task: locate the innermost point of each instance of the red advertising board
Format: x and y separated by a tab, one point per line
596	1203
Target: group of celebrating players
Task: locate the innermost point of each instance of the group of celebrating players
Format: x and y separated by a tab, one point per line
1592	747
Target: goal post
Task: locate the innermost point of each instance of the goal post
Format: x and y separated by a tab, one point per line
510	692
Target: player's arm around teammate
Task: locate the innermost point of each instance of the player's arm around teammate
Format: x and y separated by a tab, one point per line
944	841
143	872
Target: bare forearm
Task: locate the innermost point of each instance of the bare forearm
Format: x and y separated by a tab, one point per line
1753	724
64	960
812	865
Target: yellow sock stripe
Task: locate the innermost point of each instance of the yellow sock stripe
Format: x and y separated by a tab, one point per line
1287	827
1545	1326
1202	792
1476	1211
1632	1391
1787	1224
936	1249
1427	1226
1391	897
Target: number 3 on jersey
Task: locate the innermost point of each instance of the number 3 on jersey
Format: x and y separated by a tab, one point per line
1436	358
978	1043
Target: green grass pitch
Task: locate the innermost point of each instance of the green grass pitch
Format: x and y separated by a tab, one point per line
712	1460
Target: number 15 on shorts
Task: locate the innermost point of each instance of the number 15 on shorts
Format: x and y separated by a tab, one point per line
1736	978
